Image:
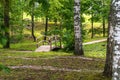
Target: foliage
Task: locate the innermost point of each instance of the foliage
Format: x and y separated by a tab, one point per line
68	40
97	8
2	37
16	20
2	28
4	68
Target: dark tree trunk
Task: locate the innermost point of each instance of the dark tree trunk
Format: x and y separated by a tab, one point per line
108	64
46	27
77	29
6	23
60	33
32	16
92	30
103	26
103	21
55	21
33	24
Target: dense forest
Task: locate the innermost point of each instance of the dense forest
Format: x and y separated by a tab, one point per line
73	37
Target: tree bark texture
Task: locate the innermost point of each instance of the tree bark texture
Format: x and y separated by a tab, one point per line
32	23
103	19
116	39
77	29
60	33
6	23
46	27
109	53
92	28
103	26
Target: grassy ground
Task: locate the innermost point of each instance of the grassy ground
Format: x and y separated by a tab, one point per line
89	67
27	74
95	50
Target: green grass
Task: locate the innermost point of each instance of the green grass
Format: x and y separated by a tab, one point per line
11	57
88	39
95	50
27	74
29	46
33	54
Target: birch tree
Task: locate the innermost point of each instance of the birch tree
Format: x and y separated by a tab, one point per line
116	38
77	29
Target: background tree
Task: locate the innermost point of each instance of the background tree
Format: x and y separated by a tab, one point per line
32	19
6	23
104	11
98	10
16	20
2	28
31	9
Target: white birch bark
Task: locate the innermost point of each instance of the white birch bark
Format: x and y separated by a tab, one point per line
116	39
77	28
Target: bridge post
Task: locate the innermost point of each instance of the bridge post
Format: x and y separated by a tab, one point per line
60	43
50	43
55	41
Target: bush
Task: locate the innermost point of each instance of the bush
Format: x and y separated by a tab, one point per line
4	68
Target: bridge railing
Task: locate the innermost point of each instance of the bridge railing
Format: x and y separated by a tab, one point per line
40	40
50	40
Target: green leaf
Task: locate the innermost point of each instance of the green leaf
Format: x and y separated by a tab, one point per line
3	41
4	68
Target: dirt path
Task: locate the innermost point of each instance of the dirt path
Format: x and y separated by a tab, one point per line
52	68
96	41
58	57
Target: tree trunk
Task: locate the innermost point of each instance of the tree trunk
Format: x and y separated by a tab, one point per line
32	23
46	27
92	31
60	33
6	23
103	26
103	21
77	29
116	39
108	64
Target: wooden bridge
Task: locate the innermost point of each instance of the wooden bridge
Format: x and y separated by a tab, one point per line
48	43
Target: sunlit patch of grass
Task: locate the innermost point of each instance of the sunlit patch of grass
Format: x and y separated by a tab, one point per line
34	54
96	24
95	50
89	39
30	46
0	46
